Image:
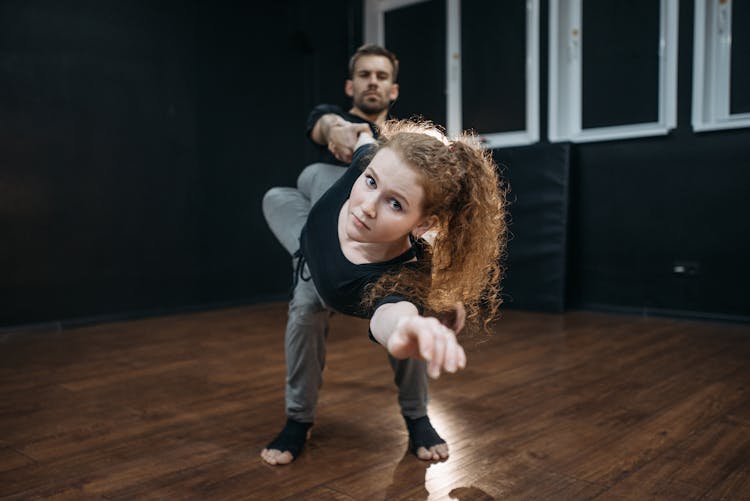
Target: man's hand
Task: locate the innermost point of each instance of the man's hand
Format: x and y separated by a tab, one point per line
427	338
342	137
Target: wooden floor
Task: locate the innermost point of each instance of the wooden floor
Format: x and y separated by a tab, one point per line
575	406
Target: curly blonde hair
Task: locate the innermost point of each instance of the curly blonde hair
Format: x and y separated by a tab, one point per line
463	190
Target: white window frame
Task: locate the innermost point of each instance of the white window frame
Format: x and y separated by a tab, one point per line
565	77
374	17
374	28
712	64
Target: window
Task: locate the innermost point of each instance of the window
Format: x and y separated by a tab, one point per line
415	31
480	72
612	69
721	73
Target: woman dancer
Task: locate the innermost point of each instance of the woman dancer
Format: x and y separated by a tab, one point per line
413	232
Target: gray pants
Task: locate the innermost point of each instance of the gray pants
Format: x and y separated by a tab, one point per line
286	211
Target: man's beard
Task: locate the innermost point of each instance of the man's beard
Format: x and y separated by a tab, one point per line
372	108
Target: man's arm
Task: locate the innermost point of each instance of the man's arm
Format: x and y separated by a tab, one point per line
321	131
338	134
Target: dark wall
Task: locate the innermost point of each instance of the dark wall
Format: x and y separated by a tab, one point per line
640	207
261	68
136	141
99	176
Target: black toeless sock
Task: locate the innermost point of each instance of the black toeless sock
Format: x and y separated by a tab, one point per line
292	438
422	434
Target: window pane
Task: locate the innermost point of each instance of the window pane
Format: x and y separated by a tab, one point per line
493	66
739	98
416	34
620	76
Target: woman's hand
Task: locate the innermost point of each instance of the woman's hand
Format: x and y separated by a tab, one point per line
425	337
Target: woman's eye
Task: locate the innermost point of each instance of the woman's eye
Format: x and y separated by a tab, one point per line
395	204
370	182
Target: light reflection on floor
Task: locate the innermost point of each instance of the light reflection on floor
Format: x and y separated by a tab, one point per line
451	479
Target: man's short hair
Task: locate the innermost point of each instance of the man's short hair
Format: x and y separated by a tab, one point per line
372	49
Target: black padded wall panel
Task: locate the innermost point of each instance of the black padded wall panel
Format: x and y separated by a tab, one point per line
538	198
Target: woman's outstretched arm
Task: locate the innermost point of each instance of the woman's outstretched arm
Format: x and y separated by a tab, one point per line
406	334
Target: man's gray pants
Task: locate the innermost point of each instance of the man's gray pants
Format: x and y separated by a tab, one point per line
286	211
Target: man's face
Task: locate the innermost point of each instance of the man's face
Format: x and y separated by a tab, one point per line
371	86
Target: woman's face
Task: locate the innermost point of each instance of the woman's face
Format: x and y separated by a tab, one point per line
385	204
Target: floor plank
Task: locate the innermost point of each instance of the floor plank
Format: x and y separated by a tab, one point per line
575	406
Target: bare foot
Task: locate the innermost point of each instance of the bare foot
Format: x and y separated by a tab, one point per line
273	456
424	441
295	440
434	453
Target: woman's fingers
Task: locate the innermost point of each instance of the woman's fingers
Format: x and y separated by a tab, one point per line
460	317
461	357
438	350
451	354
427	338
438	345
